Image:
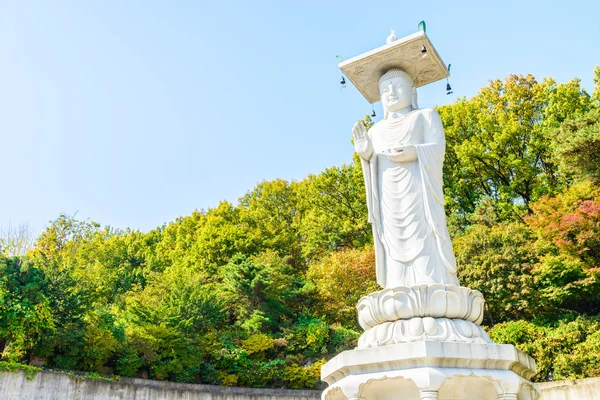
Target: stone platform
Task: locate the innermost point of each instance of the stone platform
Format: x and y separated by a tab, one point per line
430	370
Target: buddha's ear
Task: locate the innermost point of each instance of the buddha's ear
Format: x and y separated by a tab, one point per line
415	104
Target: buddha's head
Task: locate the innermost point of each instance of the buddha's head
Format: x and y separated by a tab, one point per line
398	91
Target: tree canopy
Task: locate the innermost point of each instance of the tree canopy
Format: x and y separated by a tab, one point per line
261	292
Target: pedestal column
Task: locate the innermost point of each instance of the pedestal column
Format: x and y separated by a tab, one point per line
429	394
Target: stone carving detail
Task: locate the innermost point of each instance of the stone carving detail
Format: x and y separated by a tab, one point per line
416	329
437	301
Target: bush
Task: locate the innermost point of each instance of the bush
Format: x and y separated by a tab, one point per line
554	344
309	337
582	362
101	340
128	361
299	377
341	338
258	345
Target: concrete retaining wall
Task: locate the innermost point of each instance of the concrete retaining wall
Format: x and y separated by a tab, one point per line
581	389
55	386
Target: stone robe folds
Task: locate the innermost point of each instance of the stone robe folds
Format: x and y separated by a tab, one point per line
406	202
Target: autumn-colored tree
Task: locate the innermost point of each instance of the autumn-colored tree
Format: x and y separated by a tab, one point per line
341	279
568	230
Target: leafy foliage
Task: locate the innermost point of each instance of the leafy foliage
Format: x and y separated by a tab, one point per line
554	345
498	146
568	231
262	291
24	309
498	261
340	280
577	147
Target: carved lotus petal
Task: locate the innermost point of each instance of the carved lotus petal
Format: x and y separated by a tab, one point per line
430	326
417	329
415	326
436	301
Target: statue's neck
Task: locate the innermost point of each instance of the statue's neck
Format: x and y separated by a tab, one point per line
400	113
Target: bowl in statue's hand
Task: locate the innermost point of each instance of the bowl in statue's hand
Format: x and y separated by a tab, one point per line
396	155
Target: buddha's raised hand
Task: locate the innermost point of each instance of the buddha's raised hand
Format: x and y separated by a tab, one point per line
362	143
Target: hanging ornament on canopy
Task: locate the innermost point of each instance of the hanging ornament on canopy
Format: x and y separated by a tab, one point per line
373	112
448	87
423	28
343	80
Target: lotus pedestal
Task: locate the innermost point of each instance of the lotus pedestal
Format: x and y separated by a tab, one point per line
425	342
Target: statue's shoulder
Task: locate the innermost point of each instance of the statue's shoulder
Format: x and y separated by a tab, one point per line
428	113
377	127
429	117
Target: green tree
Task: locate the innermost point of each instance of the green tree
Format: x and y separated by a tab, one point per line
596	93
24	308
498	261
259	291
498	145
576	146
270	213
334	211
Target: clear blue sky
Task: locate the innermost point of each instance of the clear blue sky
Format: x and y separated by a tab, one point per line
133	113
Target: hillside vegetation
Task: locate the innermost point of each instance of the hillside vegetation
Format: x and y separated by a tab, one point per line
260	293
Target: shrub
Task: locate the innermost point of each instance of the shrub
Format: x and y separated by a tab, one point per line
553	344
258	344
309	337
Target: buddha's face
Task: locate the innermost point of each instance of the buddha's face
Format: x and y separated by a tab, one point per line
396	94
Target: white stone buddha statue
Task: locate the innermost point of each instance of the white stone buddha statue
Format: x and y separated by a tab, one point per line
402	158
422	337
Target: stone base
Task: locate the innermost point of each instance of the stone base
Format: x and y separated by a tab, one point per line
430	370
419	329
